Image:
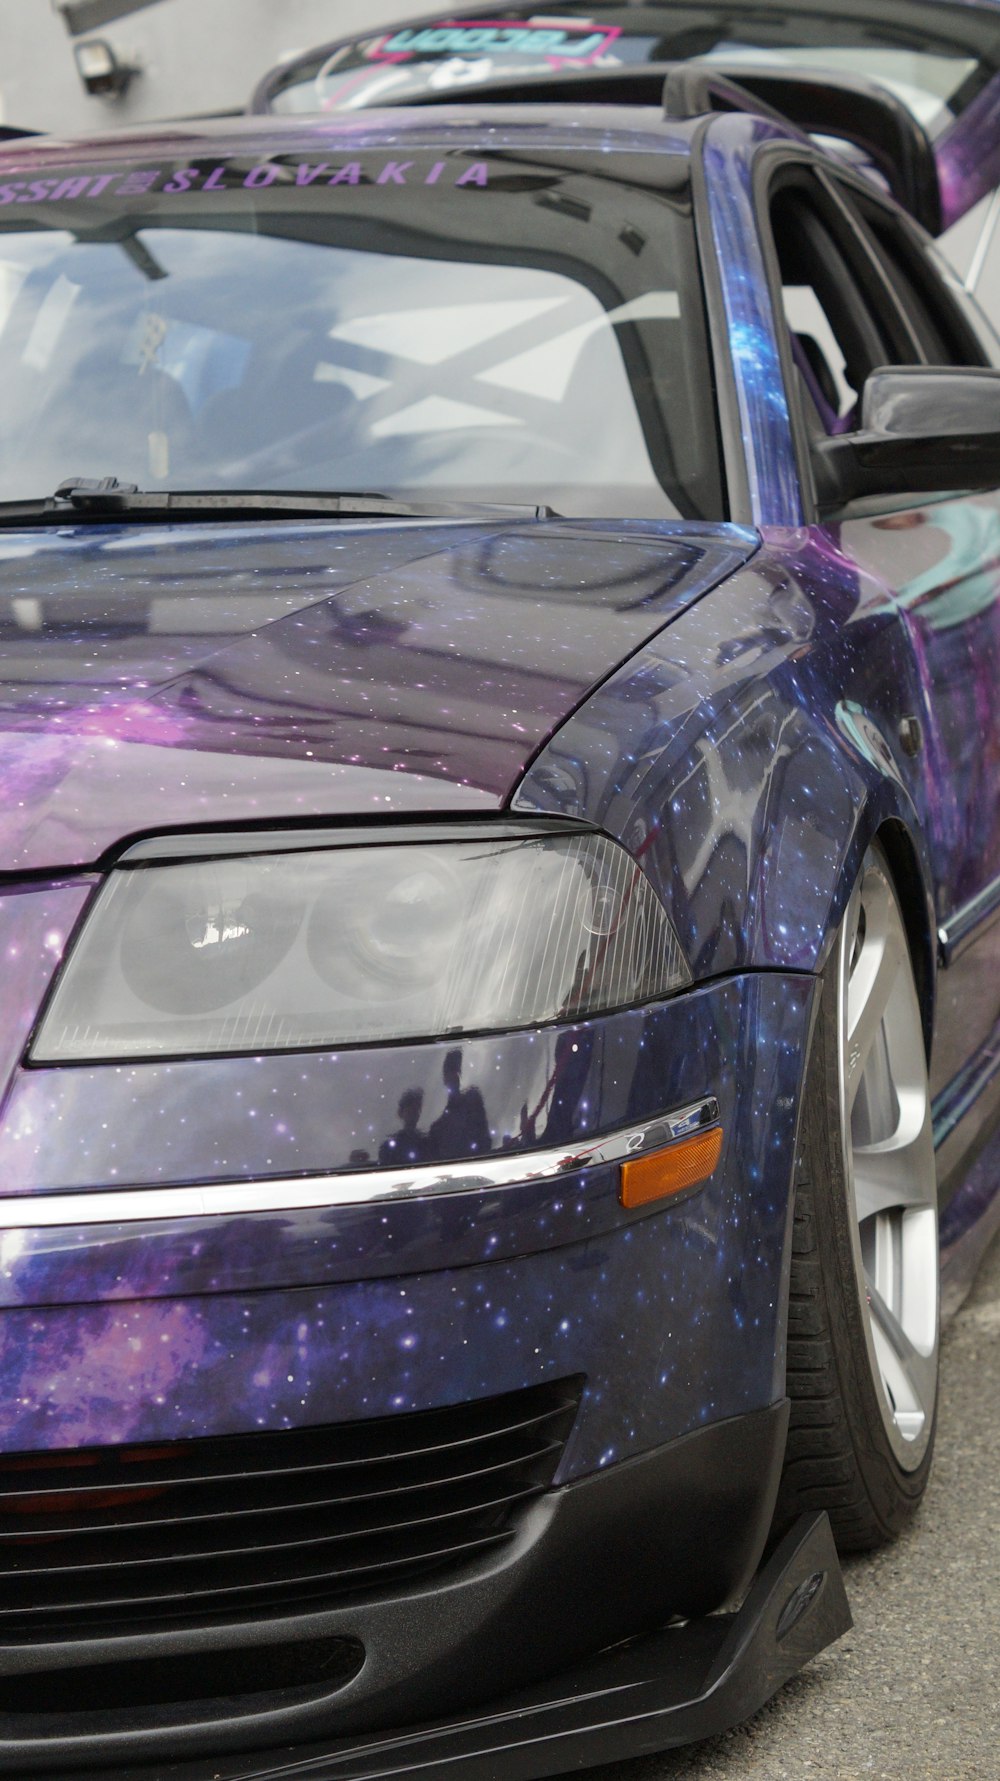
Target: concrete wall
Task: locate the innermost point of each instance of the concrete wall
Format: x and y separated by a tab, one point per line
197	56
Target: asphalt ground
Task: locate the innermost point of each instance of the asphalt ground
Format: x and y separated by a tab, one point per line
912	1693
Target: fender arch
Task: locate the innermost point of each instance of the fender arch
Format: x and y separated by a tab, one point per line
749	754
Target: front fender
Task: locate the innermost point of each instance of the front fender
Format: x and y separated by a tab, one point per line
749	753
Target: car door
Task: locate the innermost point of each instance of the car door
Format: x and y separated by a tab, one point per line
861	290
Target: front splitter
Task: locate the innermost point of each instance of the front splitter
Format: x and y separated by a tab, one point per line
676	1686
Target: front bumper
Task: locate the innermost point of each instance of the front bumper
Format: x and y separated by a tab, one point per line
154	1329
672	1687
150	1332
609	1557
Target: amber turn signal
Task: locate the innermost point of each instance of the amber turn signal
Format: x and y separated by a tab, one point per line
670	1171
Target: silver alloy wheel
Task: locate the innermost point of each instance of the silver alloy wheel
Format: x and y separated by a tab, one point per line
889	1151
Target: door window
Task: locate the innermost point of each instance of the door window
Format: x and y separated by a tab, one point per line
843	319
859	291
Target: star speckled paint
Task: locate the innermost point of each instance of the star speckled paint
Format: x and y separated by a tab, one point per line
79	1129
407	1310
686	1305
772	474
725	701
349	673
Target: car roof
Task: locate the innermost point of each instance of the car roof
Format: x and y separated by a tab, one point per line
482	125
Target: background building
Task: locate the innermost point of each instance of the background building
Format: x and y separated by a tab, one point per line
193	56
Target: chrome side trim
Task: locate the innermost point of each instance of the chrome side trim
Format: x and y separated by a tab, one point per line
224	1199
968	922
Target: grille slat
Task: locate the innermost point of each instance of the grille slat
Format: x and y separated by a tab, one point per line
295	1538
64	1469
103	1586
283	1594
125	1518
197	1530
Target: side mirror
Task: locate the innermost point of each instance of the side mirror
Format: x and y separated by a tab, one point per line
924	429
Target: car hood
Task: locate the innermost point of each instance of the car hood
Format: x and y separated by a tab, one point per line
171	676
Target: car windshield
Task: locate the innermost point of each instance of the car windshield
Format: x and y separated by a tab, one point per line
516	328
935	55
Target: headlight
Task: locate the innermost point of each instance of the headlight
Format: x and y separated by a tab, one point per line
342	945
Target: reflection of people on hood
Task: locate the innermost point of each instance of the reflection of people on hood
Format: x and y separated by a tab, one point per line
563	1091
409	1145
463	1127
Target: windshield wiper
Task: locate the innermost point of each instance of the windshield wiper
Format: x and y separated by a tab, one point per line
103	498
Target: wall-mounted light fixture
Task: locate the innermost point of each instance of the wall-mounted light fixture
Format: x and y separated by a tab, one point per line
100	70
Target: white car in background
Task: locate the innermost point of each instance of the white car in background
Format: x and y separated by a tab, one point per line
935	64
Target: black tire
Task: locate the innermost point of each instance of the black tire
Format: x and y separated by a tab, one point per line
845	1452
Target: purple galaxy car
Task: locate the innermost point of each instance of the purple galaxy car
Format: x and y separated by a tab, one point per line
500	615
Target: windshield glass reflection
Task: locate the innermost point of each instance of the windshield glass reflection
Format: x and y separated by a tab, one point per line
436	326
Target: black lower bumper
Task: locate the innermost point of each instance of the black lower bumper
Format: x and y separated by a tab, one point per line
673	1687
614	1557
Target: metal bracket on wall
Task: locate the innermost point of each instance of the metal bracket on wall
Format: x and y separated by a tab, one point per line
80	16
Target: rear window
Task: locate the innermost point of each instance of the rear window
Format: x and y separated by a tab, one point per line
495	328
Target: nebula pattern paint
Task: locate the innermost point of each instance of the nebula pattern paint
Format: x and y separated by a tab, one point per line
676	1317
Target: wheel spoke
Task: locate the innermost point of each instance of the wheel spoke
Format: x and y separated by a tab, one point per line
909	1376
869	990
894	1173
885	1110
